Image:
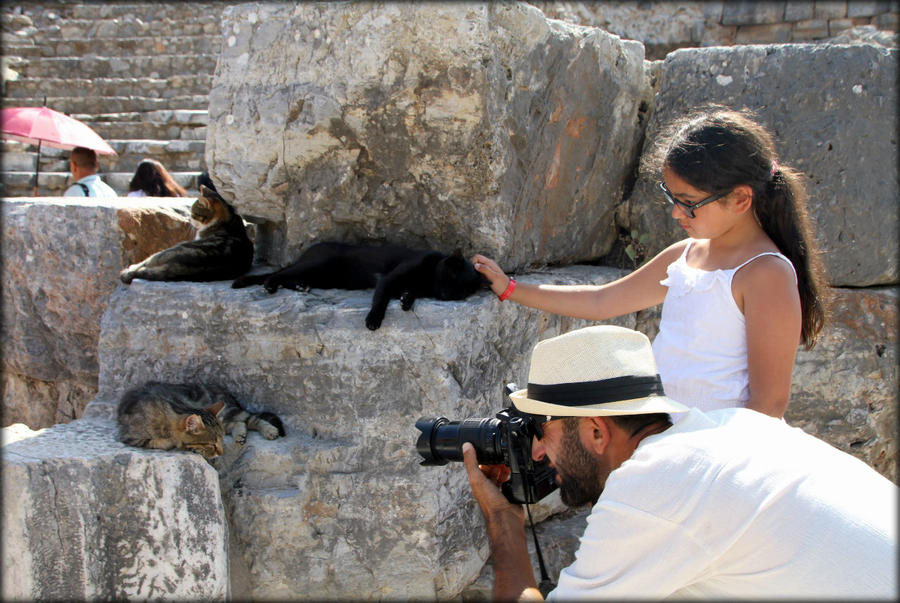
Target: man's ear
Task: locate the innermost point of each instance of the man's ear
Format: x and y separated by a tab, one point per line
595	434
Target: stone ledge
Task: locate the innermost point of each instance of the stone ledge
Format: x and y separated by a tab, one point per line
95	519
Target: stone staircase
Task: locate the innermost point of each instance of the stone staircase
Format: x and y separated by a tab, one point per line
138	73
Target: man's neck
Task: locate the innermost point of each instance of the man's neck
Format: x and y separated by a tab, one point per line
649	430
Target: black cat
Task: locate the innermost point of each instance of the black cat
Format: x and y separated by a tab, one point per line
221	251
394	272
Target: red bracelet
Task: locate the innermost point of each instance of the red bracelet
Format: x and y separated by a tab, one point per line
509	290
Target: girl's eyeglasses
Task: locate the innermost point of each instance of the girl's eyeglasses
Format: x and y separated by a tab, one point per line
688	208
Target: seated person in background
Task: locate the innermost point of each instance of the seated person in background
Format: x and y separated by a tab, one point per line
83	166
151	179
730	503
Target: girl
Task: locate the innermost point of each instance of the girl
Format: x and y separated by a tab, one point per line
739	293
151	179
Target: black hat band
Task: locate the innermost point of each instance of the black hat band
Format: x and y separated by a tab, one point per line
604	391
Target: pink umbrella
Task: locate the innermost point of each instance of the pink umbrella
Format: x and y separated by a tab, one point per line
42	125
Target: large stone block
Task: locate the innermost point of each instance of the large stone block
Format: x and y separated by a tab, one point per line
88	518
832	110
61	259
845	389
483	126
340	507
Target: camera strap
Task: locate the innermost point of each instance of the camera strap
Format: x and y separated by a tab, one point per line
546	584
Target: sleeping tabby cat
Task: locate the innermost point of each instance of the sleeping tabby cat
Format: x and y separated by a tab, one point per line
393	271
221	250
188	416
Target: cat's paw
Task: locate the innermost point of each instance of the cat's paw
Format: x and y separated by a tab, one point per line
373	321
270	285
127	275
406	300
270	432
240	438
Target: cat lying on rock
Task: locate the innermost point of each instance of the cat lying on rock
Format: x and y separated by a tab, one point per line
221	250
394	272
187	416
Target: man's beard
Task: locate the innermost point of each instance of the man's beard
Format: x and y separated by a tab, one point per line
581	473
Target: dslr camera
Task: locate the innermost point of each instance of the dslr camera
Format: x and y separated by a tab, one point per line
503	440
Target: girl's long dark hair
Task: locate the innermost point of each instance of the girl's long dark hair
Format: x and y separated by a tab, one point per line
718	149
152	178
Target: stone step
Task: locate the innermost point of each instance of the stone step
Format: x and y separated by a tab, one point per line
184	17
179	12
104	67
160	131
162	87
128	26
183	117
123	47
113	103
129	151
54	184
166	152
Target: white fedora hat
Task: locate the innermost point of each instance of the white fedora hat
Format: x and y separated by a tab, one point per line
597	371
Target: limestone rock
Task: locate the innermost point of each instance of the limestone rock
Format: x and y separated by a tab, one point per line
845	389
483	126
88	518
339	507
832	110
61	259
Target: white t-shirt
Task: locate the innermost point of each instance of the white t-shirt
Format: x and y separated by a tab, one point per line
733	503
701	347
96	188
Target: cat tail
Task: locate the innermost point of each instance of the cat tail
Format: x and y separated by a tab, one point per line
250	279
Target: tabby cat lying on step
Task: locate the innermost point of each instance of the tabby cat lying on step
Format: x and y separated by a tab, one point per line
394	272
221	250
188	416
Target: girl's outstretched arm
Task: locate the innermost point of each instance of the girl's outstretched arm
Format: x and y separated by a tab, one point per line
636	291
766	291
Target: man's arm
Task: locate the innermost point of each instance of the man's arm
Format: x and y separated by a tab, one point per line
513	576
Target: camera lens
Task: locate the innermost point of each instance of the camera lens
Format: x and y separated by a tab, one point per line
441	440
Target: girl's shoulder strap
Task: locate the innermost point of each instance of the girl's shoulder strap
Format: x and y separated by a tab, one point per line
684	252
774	253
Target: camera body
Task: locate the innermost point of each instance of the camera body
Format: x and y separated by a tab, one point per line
505	439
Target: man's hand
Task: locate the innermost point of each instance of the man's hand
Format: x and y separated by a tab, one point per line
486	481
513	576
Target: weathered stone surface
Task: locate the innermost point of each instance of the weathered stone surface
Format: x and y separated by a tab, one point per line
845	389
483	126
61	259
88	518
832	110
340	507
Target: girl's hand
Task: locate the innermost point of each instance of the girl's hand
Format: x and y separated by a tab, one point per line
492	272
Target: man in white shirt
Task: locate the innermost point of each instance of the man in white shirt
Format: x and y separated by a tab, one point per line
83	165
725	504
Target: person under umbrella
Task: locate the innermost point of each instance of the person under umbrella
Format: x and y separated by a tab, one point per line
44	126
83	165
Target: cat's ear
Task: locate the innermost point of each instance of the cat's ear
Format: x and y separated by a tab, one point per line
215	408
193	424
